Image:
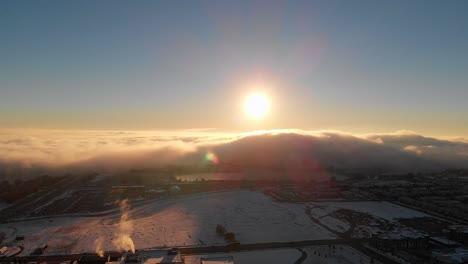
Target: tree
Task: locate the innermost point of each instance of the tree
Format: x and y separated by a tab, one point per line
220	230
230	236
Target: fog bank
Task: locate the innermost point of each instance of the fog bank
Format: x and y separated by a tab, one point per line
24	154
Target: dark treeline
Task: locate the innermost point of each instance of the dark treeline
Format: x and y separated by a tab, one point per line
20	188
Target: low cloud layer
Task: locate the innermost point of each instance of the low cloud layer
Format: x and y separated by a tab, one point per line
30	153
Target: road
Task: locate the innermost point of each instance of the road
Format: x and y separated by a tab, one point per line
354	243
372	254
303	256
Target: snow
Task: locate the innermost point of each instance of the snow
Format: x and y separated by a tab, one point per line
192	221
385	210
339	254
182	221
60	234
277	256
64	195
160	256
4	205
360	219
11	251
335	224
444	241
100	177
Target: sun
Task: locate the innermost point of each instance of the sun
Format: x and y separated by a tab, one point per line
257	105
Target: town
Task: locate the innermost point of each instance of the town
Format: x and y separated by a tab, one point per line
225	217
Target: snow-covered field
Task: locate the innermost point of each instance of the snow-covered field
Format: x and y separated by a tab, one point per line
60	234
315	255
361	219
383	210
192	220
277	256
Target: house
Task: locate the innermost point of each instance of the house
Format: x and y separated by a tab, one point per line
458	256
218	260
458	233
129	191
404	240
171	256
442	241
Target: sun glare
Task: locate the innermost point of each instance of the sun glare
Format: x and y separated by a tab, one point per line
257	105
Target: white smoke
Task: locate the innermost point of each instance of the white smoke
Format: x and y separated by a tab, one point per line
123	240
98	246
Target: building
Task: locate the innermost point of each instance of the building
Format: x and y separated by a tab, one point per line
131	191
218	260
458	256
155	193
458	233
396	241
445	242
171	256
92	259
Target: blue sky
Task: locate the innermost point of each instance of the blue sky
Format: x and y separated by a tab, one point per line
350	65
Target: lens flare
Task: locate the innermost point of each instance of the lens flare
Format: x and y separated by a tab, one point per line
210	156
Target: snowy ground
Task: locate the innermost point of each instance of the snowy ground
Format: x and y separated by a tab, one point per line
315	255
361	219
191	221
252	216
277	256
60	234
383	210
4	205
11	251
339	254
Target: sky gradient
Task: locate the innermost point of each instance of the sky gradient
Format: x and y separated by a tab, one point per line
357	66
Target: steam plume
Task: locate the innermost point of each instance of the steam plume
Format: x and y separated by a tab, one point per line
123	239
98	244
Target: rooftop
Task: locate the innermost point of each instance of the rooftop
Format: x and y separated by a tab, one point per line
218	260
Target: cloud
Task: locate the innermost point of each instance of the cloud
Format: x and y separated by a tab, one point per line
451	153
29	153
